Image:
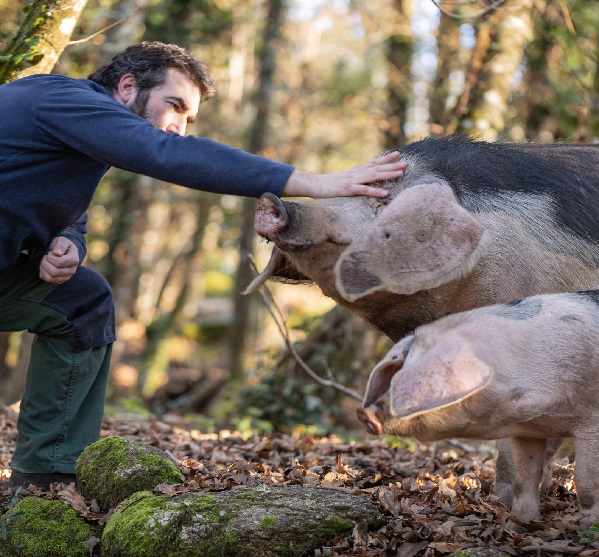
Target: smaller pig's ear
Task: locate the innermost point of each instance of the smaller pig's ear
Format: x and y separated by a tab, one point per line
445	375
279	269
423	239
379	381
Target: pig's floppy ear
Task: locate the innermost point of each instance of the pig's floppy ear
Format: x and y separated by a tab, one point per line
447	374
279	269
423	239
379	381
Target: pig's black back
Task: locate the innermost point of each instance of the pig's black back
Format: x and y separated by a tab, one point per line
566	173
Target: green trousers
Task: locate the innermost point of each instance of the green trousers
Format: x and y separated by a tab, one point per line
63	403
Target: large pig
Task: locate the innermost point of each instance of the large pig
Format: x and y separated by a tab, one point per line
527	370
469	224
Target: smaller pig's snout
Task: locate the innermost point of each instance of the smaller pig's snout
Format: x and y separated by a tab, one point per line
372	417
271	216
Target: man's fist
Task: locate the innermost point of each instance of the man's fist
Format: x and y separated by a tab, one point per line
61	262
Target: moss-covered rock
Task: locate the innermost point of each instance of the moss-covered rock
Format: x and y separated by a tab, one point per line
114	468
42	528
244	522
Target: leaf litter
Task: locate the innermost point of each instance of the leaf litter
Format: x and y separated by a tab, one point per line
438	498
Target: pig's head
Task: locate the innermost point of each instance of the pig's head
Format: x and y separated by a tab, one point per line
380	258
309	237
419	387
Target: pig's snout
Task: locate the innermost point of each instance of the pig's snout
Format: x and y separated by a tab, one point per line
372	418
271	216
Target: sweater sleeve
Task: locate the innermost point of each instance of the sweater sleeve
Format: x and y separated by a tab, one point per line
93	123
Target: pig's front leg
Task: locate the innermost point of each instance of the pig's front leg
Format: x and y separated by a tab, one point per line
528	458
586	476
504	473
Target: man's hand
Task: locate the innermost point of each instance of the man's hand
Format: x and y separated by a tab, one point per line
346	182
61	262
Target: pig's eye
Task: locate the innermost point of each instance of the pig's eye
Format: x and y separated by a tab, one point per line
422	235
387	235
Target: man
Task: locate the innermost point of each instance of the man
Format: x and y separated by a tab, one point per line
58	137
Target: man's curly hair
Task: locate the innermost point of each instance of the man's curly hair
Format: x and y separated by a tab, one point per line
149	62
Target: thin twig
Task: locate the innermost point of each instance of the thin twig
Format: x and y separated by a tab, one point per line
79	41
269	302
491	7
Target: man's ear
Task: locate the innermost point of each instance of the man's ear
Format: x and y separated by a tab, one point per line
127	88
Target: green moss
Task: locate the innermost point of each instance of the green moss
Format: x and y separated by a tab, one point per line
47	529
147	525
286	551
268	523
112	469
335	525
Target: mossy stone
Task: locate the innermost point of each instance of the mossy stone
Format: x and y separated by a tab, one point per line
147	525
114	468
243	522
42	528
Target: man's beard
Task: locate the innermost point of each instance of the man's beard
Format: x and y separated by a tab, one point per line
140	104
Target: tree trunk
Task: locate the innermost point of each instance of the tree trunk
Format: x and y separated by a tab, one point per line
256	143
499	49
14	388
42	37
594	111
162	326
398	50
449	59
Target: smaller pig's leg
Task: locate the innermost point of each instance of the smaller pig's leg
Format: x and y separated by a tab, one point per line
528	457
586	476
504	473
556	448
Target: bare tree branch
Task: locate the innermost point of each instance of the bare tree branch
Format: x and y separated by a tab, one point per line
494	5
79	41
279	319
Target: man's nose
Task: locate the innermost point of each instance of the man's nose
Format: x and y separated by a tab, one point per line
177	125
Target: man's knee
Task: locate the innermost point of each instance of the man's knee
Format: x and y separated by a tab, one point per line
86	300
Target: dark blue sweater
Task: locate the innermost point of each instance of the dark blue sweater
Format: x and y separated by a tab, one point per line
59	136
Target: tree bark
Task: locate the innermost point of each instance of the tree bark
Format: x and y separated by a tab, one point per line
398	50
449	59
256	143
594	110
500	46
40	40
162	326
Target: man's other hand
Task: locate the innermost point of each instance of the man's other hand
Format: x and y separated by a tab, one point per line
61	262
355	181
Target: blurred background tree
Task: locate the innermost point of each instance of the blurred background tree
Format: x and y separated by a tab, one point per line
322	85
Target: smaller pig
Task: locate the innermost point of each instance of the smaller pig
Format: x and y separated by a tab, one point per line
526	372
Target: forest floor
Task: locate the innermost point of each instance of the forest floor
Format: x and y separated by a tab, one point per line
437	498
